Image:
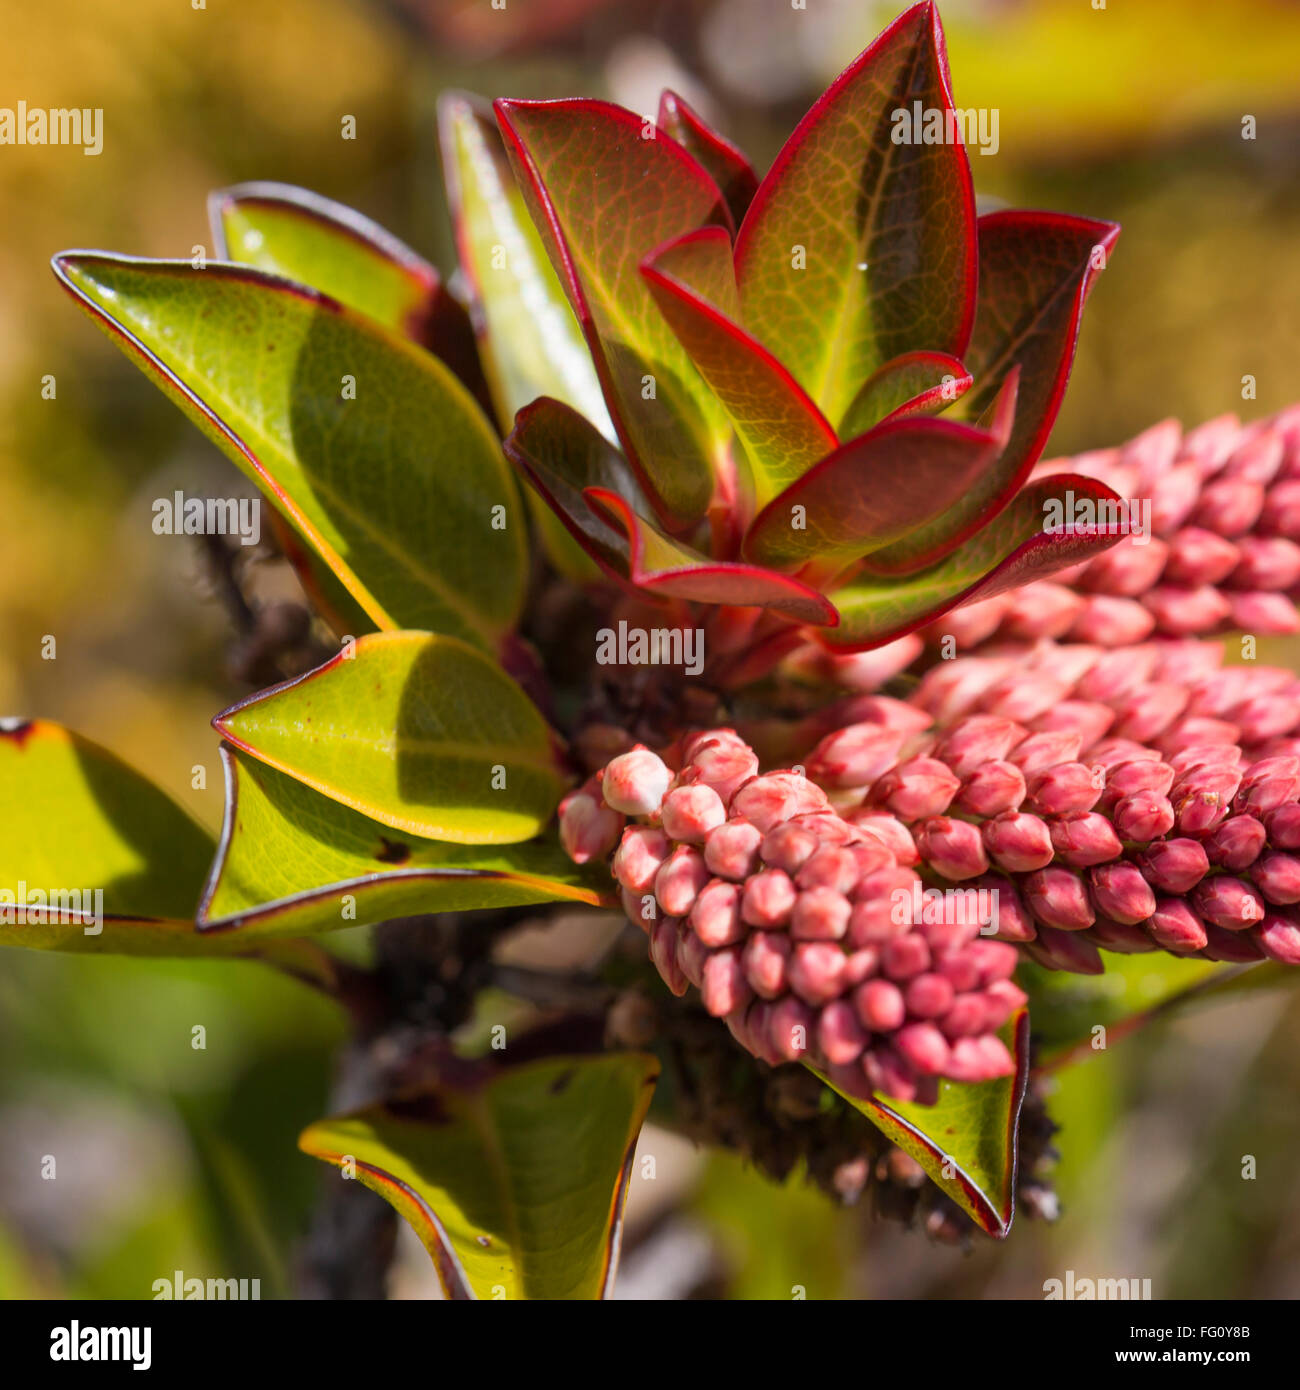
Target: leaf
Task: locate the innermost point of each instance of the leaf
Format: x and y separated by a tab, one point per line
729	168
1035	271
603	198
887	229
1134	991
292	860
782	432
971	1129
515	1186
588	484
326	595
871	491
418	731
916	383
301	236
75	818
1015	548
664	566
395	489
530	340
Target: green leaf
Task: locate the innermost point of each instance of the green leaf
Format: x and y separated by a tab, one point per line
782	432
1015	548
972	1131
916	383
292	861
74	817
302	236
396	489
322	587
727	166
515	1185
1133	991
418	731
603	199
858	248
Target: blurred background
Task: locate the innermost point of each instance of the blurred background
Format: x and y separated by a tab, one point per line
177	1159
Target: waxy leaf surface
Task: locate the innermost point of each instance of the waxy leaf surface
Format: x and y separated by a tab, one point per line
857	246
917	383
515	1186
395	488
419	731
604	198
292	860
731	171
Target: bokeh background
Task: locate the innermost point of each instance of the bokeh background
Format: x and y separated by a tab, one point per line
179	1159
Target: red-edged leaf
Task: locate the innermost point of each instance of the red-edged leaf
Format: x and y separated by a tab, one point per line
871	491
917	383
927	543
782	432
664	566
603	198
298	234
887	229
1035	270
1016	548
561	453
730	169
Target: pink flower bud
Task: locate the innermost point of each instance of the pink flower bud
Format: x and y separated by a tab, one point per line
641	908
820	914
1230	506
1024	696
1198	556
635	782
679	880
1173	866
731	850
816	971
764	960
840	1036
724	988
1088	718
638	857
832	866
689	813
1018	842
995	960
889	1074
1176	927
716	914
880	1006
966	1017
1114	622
588	828
978	739
1058	898
1131	939
996	787
1277	875
1283	826
1143	817
951	848
917	788
923	1046
1120	892
1131	778
775	797
1279	938
1147	713
1041	751
1236	844
663	951
1085	839
722	765
1267	562
1002	999
974	1060
1259	611
1127	569
904	957
788	846
769	896
928	995
1065	789
1236	947
890	831
855	756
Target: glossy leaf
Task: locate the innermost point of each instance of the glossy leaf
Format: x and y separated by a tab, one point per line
730	170
395	489
1035	271
660	565
871	491
302	236
972	1131
917	383
292	860
74	818
1135	990
1016	548
421	732
886	229
604	198
780	430
530	340
321	586
514	1185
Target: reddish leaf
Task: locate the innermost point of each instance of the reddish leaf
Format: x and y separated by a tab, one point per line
782	432
843	190
917	383
1014	549
730	169
603	198
663	566
871	491
1035	272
